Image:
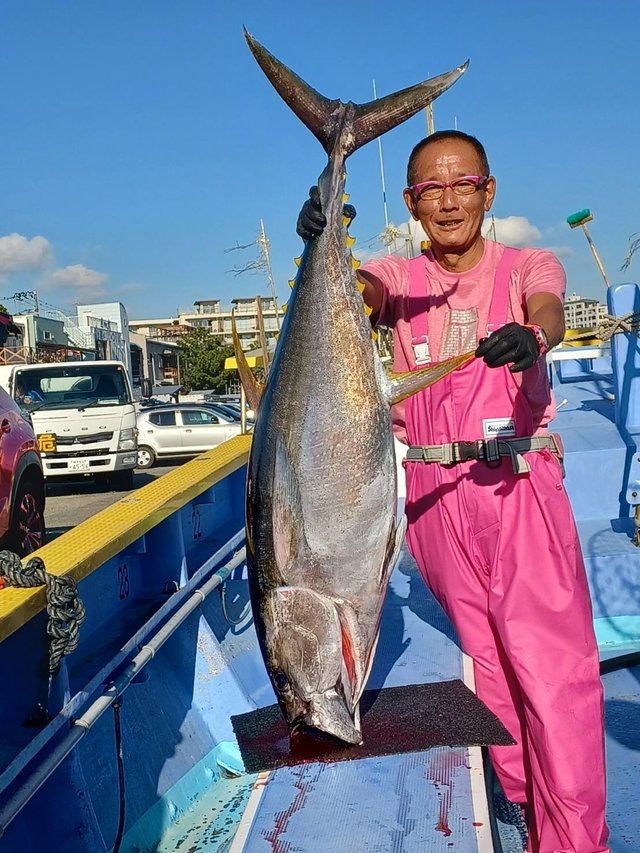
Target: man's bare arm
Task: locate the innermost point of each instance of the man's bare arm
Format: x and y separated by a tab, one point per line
546	310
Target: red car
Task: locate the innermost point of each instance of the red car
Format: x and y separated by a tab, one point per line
22	493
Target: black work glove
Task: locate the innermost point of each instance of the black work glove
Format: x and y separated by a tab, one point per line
312	221
511	343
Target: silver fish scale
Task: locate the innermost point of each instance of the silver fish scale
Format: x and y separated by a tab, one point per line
326	406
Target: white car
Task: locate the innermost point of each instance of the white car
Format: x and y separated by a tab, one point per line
165	431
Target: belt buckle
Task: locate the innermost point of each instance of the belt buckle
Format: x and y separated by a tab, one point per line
464	451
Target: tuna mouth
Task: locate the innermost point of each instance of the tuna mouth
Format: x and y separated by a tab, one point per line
328	713
299	725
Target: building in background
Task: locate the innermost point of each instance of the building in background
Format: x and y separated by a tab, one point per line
99	331
212	315
154	359
582	313
108	325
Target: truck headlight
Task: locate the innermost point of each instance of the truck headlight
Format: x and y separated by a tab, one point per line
128	439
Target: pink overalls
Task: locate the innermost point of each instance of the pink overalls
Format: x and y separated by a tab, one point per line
500	552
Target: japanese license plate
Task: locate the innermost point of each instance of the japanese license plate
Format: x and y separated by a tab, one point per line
47	442
78	464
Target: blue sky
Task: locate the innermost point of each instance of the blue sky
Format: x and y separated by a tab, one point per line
140	140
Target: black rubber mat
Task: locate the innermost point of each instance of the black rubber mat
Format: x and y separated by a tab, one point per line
394	720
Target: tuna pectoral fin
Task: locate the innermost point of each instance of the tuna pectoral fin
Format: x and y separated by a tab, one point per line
399	386
252	388
290	546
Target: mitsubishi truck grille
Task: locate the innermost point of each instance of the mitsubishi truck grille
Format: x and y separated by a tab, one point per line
95	437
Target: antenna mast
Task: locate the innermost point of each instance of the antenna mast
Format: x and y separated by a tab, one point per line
430	125
263	242
384	188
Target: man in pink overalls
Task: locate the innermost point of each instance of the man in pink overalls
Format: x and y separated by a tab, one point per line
490	524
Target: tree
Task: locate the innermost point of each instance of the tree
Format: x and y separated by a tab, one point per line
202	357
634	245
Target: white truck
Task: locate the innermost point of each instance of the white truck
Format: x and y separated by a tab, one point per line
83	415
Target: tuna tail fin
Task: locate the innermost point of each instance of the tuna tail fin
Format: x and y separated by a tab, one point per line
312	108
377	117
252	388
326	118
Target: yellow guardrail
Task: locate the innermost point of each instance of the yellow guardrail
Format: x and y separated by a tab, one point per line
92	543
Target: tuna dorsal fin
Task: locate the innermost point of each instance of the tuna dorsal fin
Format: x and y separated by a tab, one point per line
399	386
353	124
252	388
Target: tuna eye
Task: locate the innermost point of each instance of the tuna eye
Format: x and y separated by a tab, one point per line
281	680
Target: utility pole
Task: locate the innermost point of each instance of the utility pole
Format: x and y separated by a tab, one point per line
430	124
263	242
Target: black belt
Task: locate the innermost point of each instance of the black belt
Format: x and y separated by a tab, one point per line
490	450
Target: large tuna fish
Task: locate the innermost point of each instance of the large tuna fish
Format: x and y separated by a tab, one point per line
321	490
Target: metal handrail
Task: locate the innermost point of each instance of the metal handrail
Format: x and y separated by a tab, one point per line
83	724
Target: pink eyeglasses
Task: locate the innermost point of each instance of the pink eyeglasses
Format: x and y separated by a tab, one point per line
434	190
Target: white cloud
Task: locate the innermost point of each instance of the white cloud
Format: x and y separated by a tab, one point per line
79	277
560	251
512	230
21	253
132	287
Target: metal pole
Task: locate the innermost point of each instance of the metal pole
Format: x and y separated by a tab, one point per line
384	188
264	246
430	124
595	254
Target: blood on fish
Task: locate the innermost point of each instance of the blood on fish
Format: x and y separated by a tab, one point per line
347	654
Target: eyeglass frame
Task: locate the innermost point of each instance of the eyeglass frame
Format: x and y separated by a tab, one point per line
480	182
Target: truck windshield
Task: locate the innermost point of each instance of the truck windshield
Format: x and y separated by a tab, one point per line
60	386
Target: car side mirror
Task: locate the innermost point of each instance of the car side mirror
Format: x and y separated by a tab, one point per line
146	387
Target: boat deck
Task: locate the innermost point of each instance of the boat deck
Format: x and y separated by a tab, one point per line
433	800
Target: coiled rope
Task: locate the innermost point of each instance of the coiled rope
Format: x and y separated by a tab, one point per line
510	814
610	326
64	607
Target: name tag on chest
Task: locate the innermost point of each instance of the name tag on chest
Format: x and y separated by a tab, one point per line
498	428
